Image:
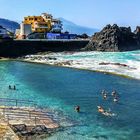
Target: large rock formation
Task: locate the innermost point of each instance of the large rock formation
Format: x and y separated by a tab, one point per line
114	38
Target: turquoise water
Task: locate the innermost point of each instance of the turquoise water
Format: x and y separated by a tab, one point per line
60	89
92	61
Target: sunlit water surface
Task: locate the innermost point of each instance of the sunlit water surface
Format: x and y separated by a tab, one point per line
60	89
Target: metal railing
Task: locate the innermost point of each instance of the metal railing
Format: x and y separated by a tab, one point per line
25	114
17	101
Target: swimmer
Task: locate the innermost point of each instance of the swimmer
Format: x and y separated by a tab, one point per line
14	87
105	113
108	114
114	93
77	108
100	109
104	94
9	86
115	99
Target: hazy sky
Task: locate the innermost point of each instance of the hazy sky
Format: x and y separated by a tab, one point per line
91	13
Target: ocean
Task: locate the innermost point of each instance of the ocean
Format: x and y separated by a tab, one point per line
124	63
61	89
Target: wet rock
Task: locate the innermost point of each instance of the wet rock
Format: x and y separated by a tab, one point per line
39	129
19	128
67	63
118	64
114	38
25	131
52	58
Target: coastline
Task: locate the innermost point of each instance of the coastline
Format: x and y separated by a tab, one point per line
98	71
115	63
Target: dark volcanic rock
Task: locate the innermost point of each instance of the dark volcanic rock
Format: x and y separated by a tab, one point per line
19	127
39	129
114	38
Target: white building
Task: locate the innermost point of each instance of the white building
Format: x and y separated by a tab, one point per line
56	26
25	29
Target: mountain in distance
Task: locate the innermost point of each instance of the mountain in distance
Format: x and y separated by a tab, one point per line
77	29
67	26
9	25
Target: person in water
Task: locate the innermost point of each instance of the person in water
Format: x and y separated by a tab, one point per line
114	93
115	96
115	99
14	87
104	94
100	109
106	113
77	108
9	86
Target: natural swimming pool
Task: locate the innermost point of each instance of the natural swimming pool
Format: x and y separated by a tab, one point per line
61	89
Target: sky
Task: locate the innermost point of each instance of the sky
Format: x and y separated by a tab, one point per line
90	13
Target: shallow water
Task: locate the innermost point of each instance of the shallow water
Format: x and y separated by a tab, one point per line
60	89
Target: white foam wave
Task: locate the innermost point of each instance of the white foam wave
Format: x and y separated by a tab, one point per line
126	63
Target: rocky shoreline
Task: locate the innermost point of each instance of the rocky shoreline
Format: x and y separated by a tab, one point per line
75	60
114	38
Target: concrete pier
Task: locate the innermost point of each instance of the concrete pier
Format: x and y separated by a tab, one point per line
20	122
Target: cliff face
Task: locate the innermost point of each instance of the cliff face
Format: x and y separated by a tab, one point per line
114	38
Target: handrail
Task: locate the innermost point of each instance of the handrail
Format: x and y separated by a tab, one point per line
26	110
17	101
22	112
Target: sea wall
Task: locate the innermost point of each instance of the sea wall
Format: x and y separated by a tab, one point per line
17	48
